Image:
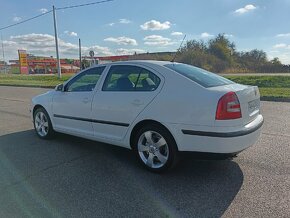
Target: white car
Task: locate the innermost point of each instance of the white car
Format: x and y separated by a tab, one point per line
155	108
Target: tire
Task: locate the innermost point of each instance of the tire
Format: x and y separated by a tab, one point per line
42	124
155	148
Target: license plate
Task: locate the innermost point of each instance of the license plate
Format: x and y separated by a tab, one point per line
254	105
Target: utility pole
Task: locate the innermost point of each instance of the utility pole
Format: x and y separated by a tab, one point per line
56	43
80	54
3	53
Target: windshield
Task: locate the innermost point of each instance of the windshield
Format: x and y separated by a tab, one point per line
198	75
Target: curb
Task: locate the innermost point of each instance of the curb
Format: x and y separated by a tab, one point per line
29	86
275	99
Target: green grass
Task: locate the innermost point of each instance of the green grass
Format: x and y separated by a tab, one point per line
270	86
33	80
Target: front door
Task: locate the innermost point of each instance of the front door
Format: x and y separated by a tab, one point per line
72	106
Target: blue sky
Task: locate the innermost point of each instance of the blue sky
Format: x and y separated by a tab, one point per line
126	26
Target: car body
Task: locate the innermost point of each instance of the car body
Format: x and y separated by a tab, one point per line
186	102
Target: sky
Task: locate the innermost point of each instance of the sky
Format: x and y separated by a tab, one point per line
128	26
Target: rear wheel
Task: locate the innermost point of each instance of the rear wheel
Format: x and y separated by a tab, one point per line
42	124
155	148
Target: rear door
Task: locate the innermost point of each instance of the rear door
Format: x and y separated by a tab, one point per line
126	91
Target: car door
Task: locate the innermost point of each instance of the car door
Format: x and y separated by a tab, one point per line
126	91
72	106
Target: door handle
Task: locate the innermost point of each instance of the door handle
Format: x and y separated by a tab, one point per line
86	100
137	102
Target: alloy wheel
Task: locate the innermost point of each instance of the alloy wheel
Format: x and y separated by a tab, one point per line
153	149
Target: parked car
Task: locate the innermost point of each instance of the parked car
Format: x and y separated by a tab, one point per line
155	108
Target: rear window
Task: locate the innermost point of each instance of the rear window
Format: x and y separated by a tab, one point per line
198	75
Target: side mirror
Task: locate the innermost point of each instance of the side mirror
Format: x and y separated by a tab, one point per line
59	88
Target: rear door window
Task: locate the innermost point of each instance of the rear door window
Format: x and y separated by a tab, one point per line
130	78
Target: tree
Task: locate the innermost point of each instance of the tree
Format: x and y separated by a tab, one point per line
222	48
276	61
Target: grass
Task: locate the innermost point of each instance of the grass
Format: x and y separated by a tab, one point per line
270	86
276	87
33	80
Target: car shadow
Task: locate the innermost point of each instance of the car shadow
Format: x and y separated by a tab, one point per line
75	177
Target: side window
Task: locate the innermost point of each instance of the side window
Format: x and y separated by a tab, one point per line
130	78
86	81
147	81
121	78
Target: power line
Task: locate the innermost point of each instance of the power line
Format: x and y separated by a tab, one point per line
62	8
24	21
87	4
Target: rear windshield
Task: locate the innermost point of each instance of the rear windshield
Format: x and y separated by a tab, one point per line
200	76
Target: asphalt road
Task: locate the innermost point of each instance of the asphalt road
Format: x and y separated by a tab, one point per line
73	177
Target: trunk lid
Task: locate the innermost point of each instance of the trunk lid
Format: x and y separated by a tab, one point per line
249	98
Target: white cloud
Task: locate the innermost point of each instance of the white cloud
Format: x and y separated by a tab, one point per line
229	35
245	9
176	33
206	35
123	51
44	45
99	50
111	24
155	25
122	40
283	35
124	21
157	40
17	19
43	10
281	45
74	34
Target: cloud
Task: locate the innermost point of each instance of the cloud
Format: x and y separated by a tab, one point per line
283	35
122	40
229	35
124	21
124	51
155	25
245	9
43	10
281	45
73	34
176	33
44	45
206	35
120	21
156	40
17	19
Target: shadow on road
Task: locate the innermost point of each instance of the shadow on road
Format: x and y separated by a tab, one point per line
70	176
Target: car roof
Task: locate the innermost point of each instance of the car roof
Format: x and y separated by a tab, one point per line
154	62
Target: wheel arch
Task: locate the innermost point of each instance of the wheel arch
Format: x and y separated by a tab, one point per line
36	107
143	123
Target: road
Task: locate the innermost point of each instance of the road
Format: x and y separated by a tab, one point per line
73	177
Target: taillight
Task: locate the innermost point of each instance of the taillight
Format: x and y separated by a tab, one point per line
228	107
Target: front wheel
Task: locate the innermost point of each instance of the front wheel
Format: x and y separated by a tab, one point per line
155	148
42	124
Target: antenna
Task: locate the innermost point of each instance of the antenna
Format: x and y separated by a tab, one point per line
173	59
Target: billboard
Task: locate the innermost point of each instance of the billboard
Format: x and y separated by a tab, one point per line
23	63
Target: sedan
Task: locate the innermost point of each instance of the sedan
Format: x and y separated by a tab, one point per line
158	109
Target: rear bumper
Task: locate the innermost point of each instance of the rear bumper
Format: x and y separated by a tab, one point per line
225	142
